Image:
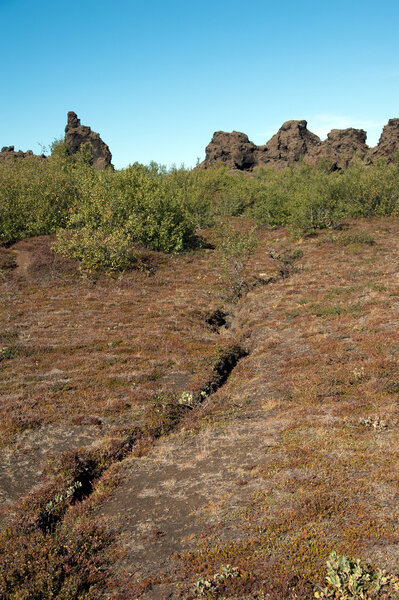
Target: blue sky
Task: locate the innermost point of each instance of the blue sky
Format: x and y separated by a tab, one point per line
156	78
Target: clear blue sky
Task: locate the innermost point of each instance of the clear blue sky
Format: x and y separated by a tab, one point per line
156	78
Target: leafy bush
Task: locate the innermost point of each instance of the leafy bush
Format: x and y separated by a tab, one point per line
96	249
372	190
351	580
136	201
317	201
272	202
161	209
36	194
303	197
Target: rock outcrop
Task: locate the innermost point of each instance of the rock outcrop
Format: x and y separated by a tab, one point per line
294	142
341	147
9	153
290	143
388	145
77	134
233	149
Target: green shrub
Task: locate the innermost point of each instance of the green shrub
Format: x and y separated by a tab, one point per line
96	249
317	201
301	196
36	195
272	203
136	201
372	190
351	580
161	209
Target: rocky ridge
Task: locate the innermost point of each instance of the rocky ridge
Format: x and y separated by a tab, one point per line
294	142
9	153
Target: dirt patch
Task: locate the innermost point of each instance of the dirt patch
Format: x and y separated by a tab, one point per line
23	260
36	259
7	259
21	467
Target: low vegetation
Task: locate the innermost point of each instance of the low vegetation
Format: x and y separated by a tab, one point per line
98	370
351	580
160	209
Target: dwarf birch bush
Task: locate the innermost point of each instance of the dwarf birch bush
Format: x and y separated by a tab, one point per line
161	209
35	195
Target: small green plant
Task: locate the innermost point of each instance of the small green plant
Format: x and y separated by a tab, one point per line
7	352
53	505
189	399
165	413
352	580
186	399
209	588
234	251
359	373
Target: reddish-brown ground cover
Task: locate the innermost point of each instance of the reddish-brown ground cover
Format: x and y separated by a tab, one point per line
294	456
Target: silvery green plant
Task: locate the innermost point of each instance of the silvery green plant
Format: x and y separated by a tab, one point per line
189	399
52	505
351	580
186	399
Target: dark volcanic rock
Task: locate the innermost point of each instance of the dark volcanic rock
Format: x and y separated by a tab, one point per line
77	134
288	145
292	141
234	149
388	145
340	148
8	153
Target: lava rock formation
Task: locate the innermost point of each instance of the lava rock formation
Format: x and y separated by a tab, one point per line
77	134
294	142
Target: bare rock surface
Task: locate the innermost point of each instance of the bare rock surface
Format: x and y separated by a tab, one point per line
234	149
340	148
388	143
9	153
294	142
77	134
289	144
